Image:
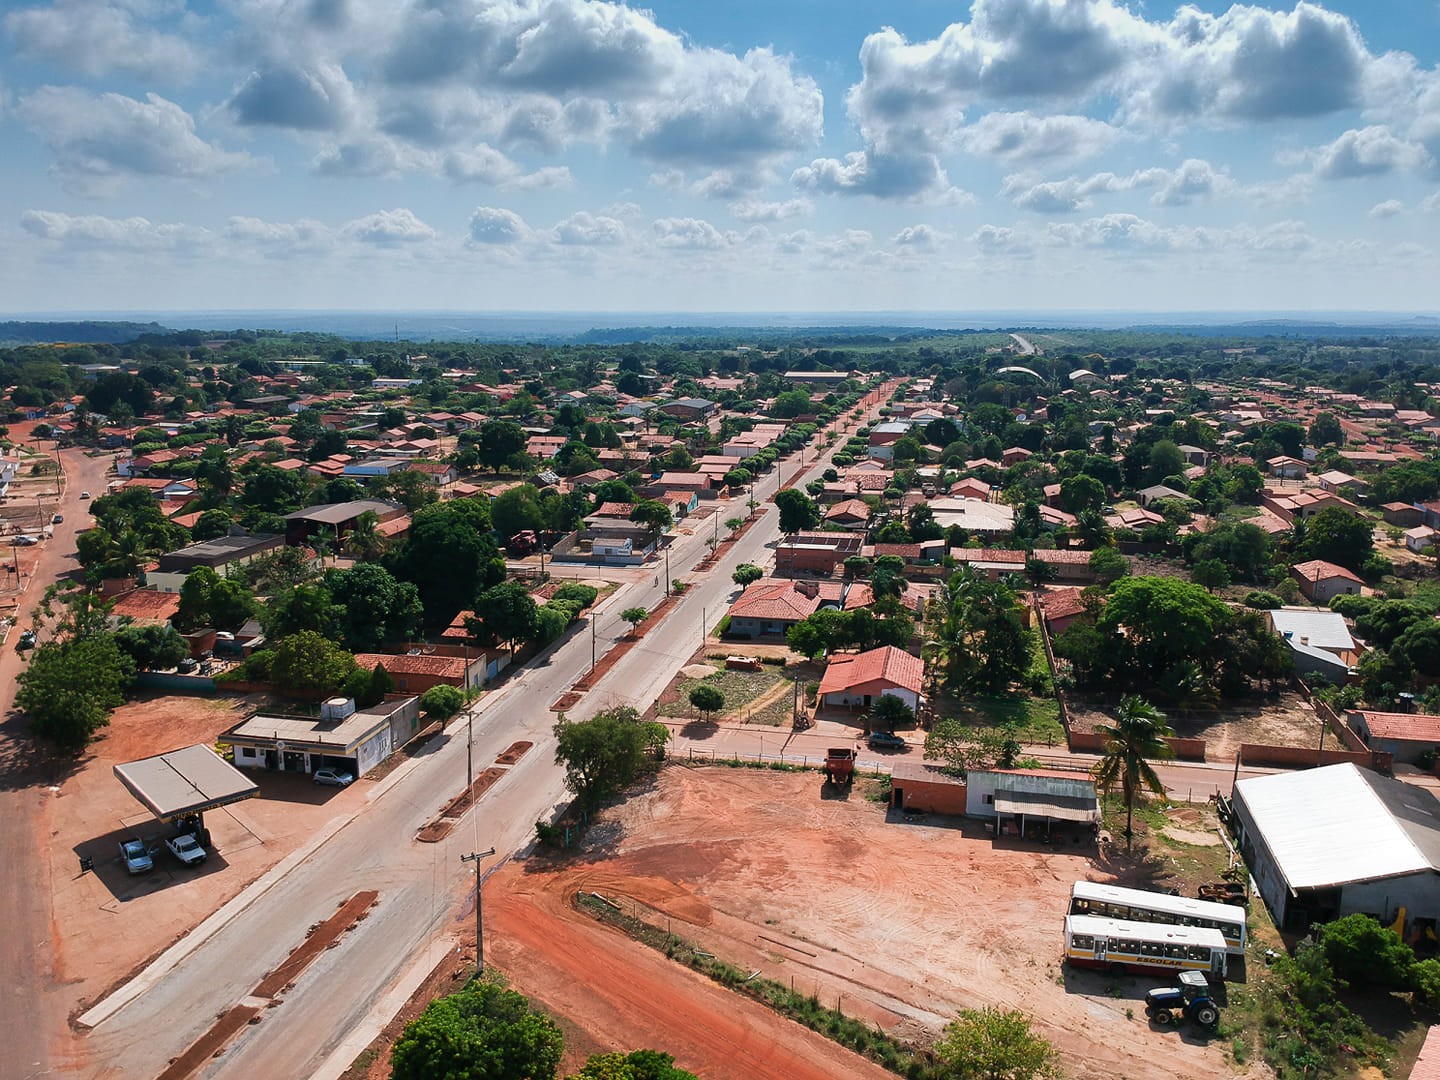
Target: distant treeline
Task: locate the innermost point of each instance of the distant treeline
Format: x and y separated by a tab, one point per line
82	333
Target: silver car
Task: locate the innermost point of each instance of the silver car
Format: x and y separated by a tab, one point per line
187	849
136	855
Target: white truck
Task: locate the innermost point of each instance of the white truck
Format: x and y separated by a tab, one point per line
187	849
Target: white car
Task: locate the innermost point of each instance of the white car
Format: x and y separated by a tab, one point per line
25	541
187	849
333	777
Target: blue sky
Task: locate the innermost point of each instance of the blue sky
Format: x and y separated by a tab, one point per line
746	156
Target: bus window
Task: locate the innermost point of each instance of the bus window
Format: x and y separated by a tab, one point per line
1082	941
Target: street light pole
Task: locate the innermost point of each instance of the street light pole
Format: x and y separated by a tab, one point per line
475	857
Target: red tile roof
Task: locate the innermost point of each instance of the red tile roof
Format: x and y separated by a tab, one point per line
774	600
147	605
1410	727
1319	570
444	667
886	666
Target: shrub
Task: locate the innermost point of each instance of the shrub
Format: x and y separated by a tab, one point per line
575	592
441	702
1362	951
706	698
1262	600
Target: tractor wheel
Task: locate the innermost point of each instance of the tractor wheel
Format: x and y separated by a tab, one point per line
1149	1013
1164	1017
1207	1015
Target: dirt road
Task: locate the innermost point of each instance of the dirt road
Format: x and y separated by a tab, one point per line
33	1005
904	922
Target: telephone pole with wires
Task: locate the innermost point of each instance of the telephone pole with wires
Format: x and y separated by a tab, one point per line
475	857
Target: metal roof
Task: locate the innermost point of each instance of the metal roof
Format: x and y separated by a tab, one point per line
190	780
1325	629
1341	824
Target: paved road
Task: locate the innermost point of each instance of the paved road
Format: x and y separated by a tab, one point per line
1024	345
32	1006
332	1011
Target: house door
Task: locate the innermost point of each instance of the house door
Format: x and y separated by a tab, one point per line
897	797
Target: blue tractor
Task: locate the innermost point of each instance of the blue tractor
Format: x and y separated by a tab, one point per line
1190	1000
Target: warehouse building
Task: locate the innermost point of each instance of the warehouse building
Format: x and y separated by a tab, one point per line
1325	843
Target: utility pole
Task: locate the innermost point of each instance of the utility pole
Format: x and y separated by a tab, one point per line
475	857
593	619
667	569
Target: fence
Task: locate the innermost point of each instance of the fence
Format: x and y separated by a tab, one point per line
778	760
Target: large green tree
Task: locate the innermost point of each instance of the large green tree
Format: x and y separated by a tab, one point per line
373	607
450	556
1157	626
975	634
994	1044
1135	738
208	600
636	1065
505	613
606	753
498	441
308	663
483	1032
71	685
1338	536
797	510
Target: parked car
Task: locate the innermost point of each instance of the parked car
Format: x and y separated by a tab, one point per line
136	855
187	849
57	519
25	541
84	494
333	777
885	740
27	640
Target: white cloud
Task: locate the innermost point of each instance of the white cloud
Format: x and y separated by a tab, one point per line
92	231
96	38
754	211
532	75
865	172
919	238
305	234
102	141
1370	151
589	231
1386	209
389	228
486	165
1430	204
1025	137
1193	180
494	225
691	233
1246	65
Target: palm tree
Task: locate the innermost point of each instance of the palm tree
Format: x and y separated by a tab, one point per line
1138	733
364	540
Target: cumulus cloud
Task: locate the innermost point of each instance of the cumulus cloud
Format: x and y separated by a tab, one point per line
1192	181
318	99
484	164
1388	208
1015	60
122	234
97	37
755	211
101	141
287	236
589	231
689	232
919	238
528	75
1025	137
494	225
1370	151
864	172
389	228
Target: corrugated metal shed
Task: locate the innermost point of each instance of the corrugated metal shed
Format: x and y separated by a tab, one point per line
1340	824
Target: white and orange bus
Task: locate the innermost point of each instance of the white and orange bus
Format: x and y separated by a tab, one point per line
1117	946
1136	905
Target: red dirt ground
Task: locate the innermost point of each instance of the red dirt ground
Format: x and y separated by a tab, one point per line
904	923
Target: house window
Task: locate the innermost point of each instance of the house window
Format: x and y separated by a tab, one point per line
989	800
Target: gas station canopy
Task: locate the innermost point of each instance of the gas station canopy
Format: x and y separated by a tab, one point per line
187	781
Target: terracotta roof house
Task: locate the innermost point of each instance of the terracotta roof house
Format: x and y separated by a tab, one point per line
1408	736
849	514
1320	580
769	607
858	679
1287	467
146	606
1060	608
414	673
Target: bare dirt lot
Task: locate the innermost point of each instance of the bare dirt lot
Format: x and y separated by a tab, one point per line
903	923
114	922
1284	719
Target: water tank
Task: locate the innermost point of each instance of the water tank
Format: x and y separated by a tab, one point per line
336	708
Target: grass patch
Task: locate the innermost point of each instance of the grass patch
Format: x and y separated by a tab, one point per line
1036	718
855	1035
740	689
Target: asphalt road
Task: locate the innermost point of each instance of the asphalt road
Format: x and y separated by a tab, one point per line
32	1005
332	1011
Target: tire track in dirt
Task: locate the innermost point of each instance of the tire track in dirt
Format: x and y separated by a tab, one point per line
555	954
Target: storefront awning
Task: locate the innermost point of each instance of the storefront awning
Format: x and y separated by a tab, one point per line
1056	807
